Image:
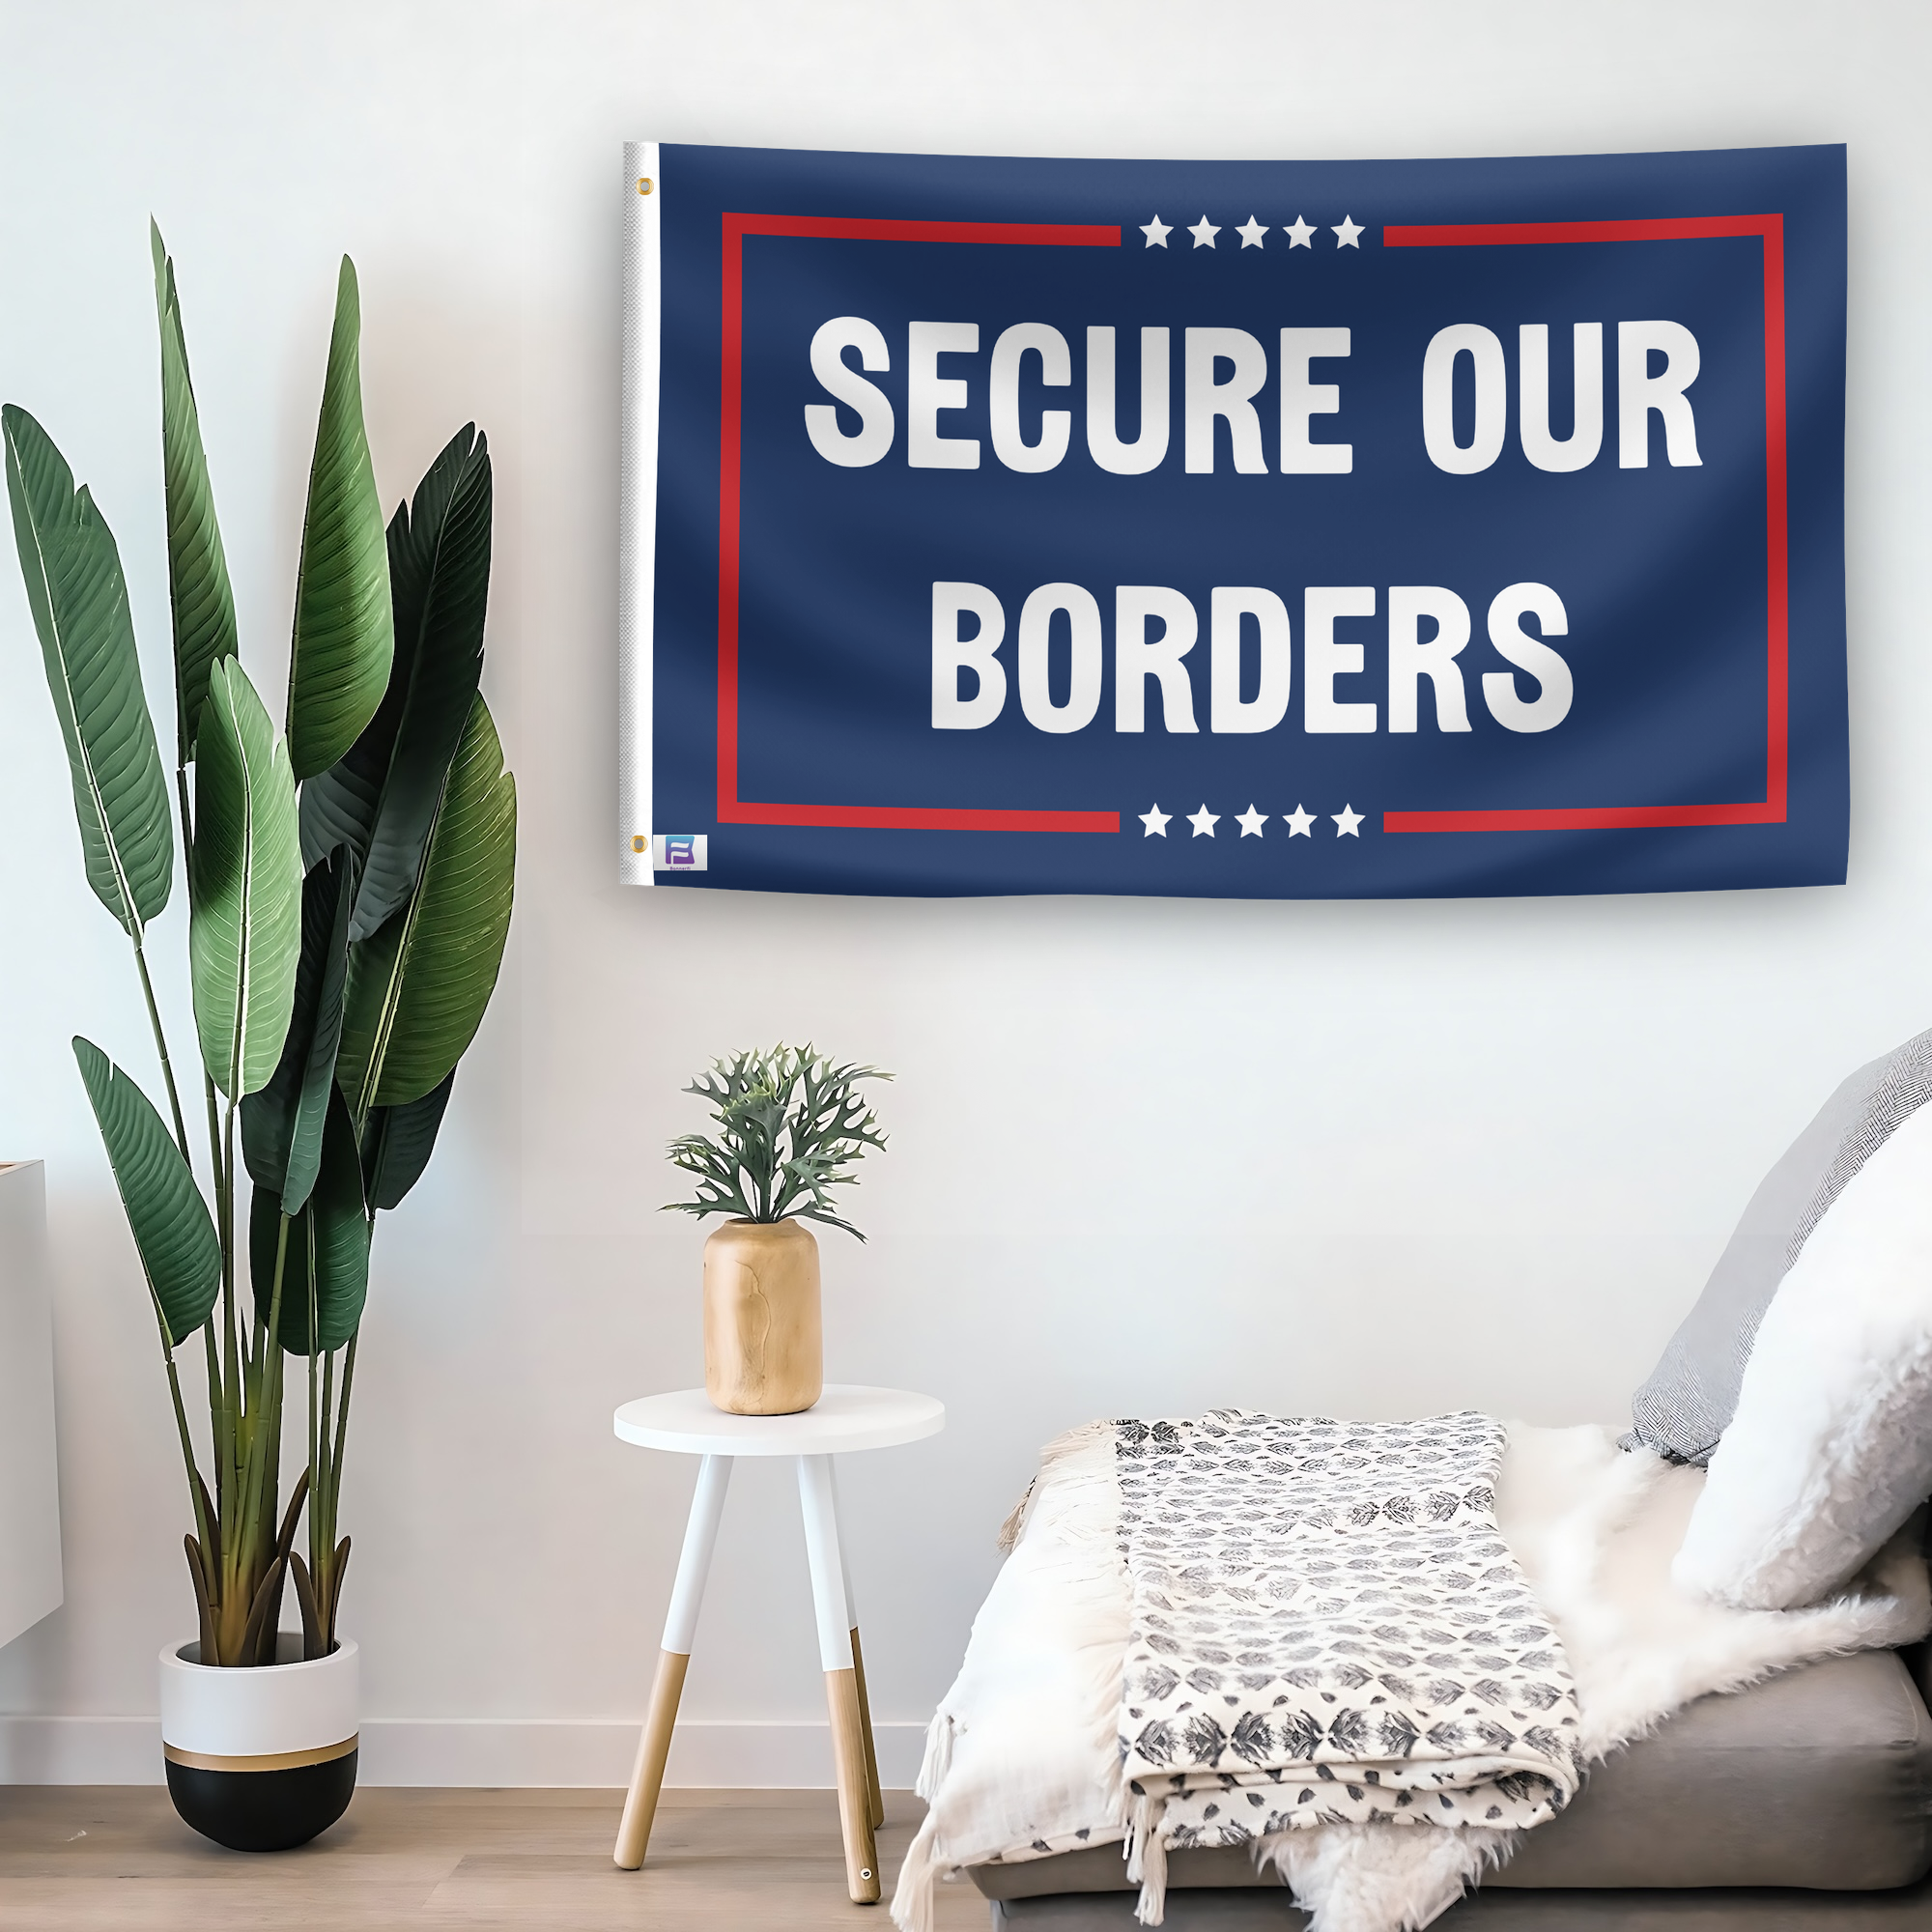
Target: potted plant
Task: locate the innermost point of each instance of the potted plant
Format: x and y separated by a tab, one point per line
791	1126
349	896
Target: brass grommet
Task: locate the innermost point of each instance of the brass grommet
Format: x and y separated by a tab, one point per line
638	841
643	184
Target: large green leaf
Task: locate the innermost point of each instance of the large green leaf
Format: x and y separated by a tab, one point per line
198	591
419	988
79	601
176	1238
244	887
381	797
281	1125
325	1264
398	1142
344	636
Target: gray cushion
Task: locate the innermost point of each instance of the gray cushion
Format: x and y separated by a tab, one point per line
1821	1778
1692	1393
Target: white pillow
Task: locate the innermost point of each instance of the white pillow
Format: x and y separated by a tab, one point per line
1830	1448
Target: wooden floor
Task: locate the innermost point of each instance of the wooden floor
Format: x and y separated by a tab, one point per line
75	1859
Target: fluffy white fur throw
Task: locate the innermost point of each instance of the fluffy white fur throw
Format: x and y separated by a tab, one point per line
1022	1759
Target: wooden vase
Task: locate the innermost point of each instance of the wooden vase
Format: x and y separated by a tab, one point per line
764	1347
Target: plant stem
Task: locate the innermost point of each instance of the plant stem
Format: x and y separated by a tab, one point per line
237	1417
268	1442
213	1141
194	1484
335	1486
161	1047
216	1412
242	1571
317	1435
233	1418
343	1423
219	1420
342	1418
322	1519
231	1358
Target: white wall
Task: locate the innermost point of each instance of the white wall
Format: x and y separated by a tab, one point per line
1147	1156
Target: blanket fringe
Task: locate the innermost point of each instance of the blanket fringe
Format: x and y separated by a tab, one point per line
912	1896
1009	1530
938	1759
1147	1858
925	1867
1057	1451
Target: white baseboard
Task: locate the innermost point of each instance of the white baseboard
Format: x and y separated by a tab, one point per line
481	1751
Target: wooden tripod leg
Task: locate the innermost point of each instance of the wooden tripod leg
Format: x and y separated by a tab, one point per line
877	1796
855	1799
693	1564
640	1802
835	1658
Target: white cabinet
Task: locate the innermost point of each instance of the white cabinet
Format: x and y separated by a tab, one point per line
30	1554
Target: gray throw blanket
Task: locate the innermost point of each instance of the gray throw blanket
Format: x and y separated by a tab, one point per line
1327	1627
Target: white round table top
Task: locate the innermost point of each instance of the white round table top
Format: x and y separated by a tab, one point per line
844	1418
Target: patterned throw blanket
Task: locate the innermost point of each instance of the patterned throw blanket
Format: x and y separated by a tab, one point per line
1327	1627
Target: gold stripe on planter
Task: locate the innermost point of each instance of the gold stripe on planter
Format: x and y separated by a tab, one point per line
266	1761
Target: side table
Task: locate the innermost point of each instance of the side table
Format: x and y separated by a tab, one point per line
843	1419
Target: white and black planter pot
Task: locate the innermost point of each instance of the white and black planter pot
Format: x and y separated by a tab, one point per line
259	1760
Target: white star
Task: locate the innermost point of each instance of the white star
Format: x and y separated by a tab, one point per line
1251	822
1298	236
1299	823
1203	822
1157	232
1155	822
1203	232
1345	235
1251	232
1346	822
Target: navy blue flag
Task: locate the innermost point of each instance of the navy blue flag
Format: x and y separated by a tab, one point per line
1248	529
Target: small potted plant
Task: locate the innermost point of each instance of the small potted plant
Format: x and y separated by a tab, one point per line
791	1126
349	887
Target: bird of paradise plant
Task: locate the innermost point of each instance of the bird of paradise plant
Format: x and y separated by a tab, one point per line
349	882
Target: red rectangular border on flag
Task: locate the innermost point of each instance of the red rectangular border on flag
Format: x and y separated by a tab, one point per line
1769	229
732	808
1771	808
